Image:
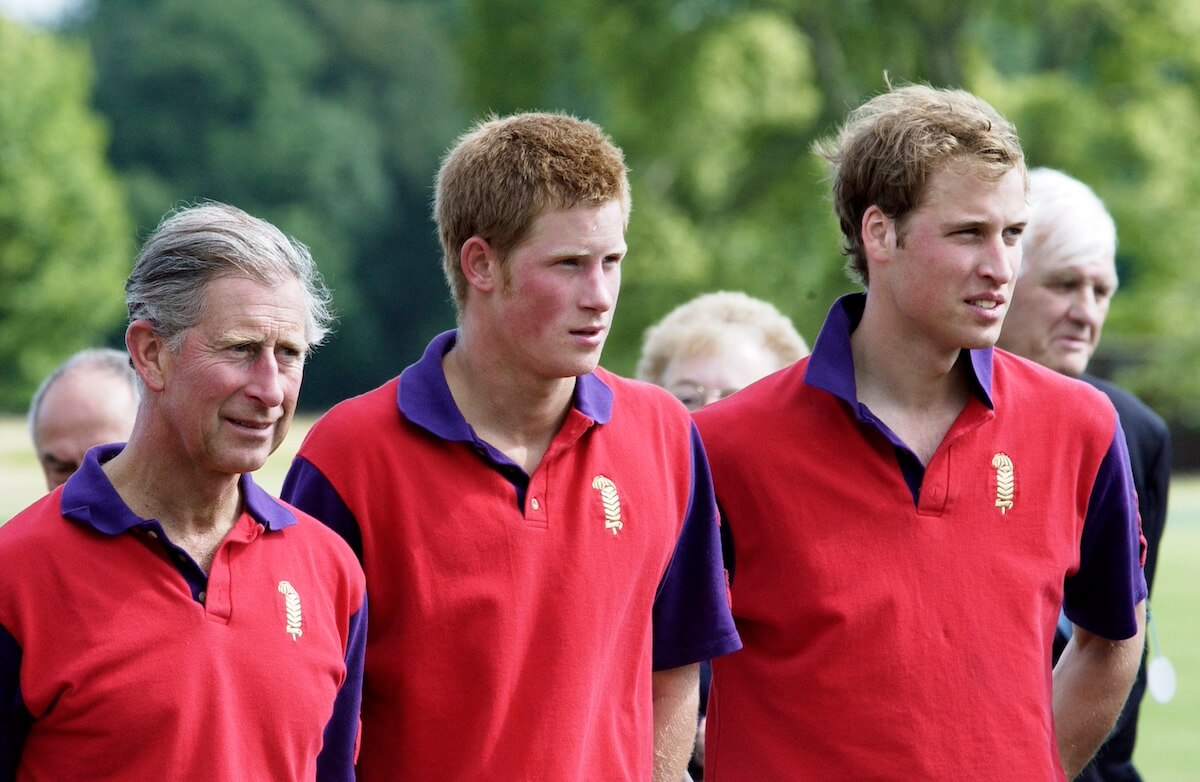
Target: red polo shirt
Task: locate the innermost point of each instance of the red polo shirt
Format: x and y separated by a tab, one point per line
516	619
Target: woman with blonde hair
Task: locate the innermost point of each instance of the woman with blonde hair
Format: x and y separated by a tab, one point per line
715	344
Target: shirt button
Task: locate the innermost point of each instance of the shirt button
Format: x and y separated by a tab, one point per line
202	596
152	534
534	503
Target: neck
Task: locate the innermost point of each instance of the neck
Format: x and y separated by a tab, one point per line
155	486
902	366
916	392
515	412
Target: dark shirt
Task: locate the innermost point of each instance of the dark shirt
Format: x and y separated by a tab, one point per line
1150	460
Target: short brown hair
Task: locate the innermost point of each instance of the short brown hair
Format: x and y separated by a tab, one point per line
887	149
504	173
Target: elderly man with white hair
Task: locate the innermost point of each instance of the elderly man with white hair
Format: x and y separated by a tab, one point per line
1067	281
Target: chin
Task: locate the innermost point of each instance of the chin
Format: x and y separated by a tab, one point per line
238	464
979	341
581	366
1071	368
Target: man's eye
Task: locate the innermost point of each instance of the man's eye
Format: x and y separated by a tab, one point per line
60	472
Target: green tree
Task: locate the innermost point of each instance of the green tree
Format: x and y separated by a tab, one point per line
1111	94
65	234
326	117
717	103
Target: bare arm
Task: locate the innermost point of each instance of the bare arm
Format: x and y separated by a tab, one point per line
1091	682
676	707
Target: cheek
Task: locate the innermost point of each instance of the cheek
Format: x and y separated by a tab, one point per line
291	390
1057	306
525	323
537	309
1038	307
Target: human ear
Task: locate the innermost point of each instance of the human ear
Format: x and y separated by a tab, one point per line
480	264
147	351
878	233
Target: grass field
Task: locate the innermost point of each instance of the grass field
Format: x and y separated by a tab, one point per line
1168	748
21	480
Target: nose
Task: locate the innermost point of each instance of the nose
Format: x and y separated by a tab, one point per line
602	284
265	381
1001	260
1085	307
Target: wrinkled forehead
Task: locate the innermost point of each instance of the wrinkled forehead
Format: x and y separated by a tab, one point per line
1092	259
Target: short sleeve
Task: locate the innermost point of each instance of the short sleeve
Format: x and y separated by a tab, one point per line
1102	595
307	488
692	620
339	748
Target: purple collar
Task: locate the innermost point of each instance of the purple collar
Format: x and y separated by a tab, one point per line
424	396
831	365
89	498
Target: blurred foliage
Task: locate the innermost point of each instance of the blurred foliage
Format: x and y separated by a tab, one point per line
717	103
326	117
65	241
329	117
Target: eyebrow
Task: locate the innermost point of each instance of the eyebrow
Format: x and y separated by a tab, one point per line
229	339
958	225
50	460
980	222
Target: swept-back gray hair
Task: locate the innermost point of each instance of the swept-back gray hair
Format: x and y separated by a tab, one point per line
198	244
101	359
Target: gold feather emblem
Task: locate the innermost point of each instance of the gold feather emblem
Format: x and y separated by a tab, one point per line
291	603
1004	481
612	503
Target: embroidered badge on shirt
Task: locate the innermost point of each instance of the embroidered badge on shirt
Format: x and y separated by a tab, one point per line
612	503
1004	481
291	603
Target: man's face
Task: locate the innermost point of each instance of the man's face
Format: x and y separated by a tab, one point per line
950	274
230	391
552	314
1059	307
82	408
